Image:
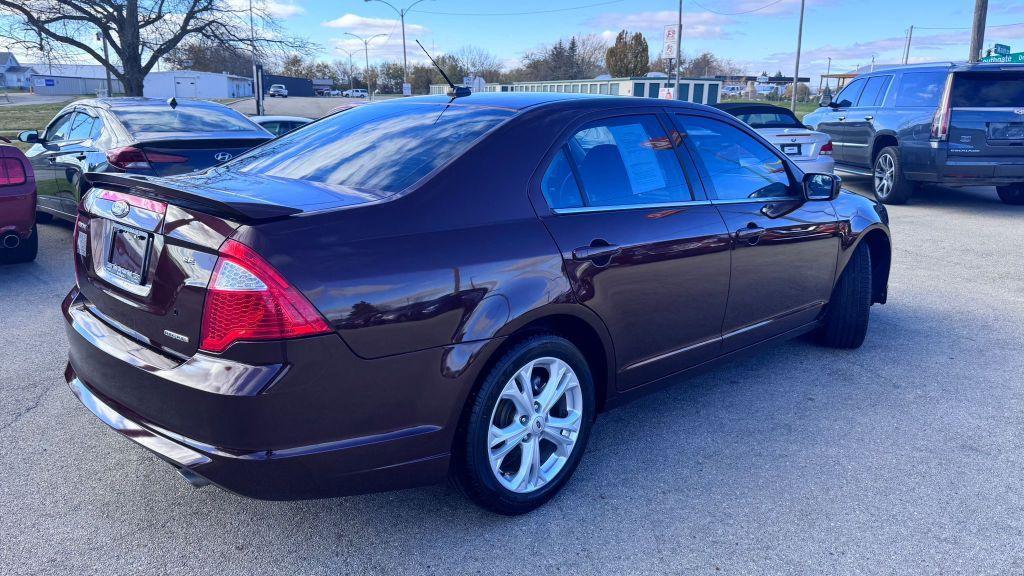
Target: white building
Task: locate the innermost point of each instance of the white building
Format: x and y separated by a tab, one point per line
699	90
191	84
12	73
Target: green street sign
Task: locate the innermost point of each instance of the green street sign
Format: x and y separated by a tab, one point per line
1015	58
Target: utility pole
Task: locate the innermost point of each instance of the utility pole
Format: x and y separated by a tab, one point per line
679	49
366	53
401	16
910	38
799	43
106	58
978	34
257	80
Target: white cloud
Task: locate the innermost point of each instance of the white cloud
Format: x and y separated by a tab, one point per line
273	8
370	26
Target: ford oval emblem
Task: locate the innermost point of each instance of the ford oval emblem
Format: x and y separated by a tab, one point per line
1019	111
222	156
120	208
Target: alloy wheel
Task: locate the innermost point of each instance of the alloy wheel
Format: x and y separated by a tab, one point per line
885	175
535	424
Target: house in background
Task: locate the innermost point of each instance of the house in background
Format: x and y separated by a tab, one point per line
13	74
72	79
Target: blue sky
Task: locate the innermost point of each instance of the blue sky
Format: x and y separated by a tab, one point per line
850	31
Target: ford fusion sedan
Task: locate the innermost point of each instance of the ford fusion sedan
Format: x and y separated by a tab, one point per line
433	287
811	150
134	135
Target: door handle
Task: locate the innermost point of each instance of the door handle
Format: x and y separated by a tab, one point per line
750	232
841	118
869	118
51	160
595	251
80	156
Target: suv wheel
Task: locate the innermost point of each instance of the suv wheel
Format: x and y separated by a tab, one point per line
1011	194
527	426
891	186
846	318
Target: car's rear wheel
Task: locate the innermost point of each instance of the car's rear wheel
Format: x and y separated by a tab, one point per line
1011	194
527	426
891	185
26	250
846	317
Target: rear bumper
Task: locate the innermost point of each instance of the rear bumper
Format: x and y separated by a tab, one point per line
349	426
18	213
962	170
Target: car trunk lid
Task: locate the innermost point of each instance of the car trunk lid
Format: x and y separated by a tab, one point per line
987	114
169	155
797	143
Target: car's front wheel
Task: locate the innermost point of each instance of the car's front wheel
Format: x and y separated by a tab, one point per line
527	426
846	317
1012	194
891	184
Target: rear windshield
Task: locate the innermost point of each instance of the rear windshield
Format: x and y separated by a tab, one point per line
988	90
378	147
780	119
182	119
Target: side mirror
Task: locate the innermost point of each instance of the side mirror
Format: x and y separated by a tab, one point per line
822	186
825	100
29	136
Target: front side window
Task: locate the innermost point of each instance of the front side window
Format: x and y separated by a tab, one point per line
740	167
920	89
627	161
850	95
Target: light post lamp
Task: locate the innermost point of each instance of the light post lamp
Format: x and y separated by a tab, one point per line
366	52
401	15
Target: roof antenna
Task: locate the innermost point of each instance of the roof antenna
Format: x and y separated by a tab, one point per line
456	91
172	102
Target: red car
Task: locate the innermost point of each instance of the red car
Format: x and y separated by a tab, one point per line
18	239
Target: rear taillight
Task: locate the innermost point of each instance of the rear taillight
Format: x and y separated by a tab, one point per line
129	158
826	150
940	122
12	172
248	300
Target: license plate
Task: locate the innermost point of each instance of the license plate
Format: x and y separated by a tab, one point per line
1006	131
129	254
791	149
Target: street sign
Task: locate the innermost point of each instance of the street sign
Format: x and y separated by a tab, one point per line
1001	49
1015	58
671	41
406	89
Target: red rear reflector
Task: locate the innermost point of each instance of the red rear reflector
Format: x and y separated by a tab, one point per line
248	300
130	157
12	172
826	150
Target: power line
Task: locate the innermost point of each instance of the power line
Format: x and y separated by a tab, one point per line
768	5
965	27
525	13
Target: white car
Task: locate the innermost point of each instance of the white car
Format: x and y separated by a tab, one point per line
811	150
278	90
355	93
278	125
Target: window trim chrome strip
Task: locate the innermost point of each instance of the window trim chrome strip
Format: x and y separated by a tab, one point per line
621	207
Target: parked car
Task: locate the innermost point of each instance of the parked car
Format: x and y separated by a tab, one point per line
355	93
278	90
19	241
278	125
414	288
734	90
136	135
812	151
949	124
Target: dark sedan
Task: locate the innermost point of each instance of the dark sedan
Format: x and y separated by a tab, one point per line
133	135
430	287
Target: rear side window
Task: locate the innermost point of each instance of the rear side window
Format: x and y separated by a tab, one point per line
182	119
920	89
627	161
81	127
739	166
874	92
988	90
59	130
383	147
850	95
559	184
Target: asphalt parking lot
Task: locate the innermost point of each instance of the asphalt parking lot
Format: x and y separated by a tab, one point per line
905	456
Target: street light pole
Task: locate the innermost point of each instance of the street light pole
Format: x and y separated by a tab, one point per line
799	42
106	58
978	33
257	82
351	86
679	48
401	15
366	52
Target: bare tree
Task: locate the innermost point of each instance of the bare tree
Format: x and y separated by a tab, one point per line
139	32
478	62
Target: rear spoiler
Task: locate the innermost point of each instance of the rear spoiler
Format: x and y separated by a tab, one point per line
163	189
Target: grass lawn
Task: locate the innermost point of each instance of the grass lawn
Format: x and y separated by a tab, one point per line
14	119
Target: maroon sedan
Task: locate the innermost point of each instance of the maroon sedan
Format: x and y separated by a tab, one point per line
433	287
18	239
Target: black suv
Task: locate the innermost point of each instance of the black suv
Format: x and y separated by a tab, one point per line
950	124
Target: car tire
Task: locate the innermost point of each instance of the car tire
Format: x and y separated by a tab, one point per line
845	323
1012	194
25	252
890	183
492	472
